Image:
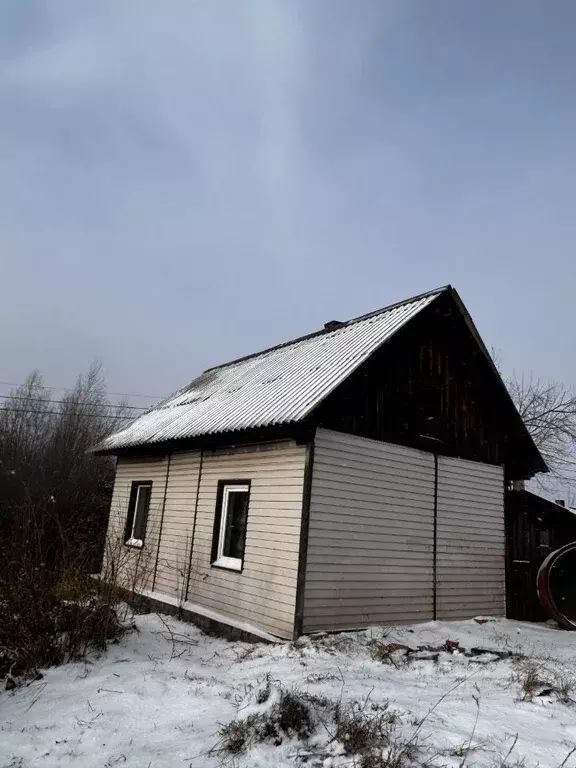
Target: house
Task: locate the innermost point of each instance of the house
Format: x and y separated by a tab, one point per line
350	477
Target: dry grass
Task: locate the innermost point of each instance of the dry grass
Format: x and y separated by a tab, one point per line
532	680
539	679
290	716
564	687
362	728
370	733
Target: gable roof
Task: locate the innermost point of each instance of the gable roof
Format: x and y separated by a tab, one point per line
280	385
283	385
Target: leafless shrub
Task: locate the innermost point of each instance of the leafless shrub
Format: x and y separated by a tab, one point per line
49	616
125	568
288	716
54	613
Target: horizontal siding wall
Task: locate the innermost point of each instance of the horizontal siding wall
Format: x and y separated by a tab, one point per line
178	521
471	543
136	566
370	557
264	593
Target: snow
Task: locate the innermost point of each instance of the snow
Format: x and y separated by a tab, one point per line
159	696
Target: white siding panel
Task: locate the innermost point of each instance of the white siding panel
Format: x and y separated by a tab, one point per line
264	593
369	557
471	543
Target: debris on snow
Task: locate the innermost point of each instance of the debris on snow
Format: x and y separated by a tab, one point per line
437	693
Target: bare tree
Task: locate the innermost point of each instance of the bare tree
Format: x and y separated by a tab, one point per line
53	491
549	412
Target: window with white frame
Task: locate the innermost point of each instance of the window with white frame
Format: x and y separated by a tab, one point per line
138	508
230	524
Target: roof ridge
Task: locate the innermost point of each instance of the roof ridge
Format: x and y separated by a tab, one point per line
322	331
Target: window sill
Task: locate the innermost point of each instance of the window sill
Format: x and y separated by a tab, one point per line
228	564
134	543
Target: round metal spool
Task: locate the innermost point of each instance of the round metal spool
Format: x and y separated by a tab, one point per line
556	583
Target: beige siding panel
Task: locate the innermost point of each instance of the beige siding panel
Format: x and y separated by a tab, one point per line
471	578
364	565
136	566
174	550
264	593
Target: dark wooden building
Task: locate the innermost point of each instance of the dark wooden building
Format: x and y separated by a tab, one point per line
534	527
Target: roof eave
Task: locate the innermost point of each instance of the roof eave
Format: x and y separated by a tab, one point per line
543	467
300	431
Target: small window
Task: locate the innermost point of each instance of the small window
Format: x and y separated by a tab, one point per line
544	538
138	514
230	525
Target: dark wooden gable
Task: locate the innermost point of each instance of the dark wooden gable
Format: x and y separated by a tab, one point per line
432	387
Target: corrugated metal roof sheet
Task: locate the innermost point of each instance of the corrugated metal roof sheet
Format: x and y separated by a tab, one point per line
277	386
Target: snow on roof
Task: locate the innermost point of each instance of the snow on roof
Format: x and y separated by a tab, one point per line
280	385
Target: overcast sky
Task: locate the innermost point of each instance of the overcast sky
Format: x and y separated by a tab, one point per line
185	182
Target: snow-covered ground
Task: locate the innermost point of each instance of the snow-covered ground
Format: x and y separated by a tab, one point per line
159	697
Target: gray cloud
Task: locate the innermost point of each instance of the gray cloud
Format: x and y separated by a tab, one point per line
185	182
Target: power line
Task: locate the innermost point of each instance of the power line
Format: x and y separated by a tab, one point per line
58	413
75	402
71	389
